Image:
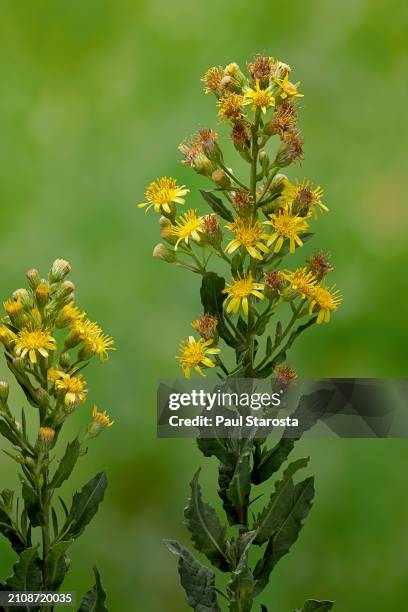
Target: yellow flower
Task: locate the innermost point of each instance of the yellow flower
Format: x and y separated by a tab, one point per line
13	307
6	335
304	196
70	313
239	291
230	107
301	280
102	418
259	98
249	235
186	227
46	436
286	225
326	300
32	341
84	328
74	388
194	355
213	79
288	89
99	345
163	194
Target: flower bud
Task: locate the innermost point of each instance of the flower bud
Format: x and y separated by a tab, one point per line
208	139
162	252
65	360
46	437
19	364
211	230
220	178
41	397
4	391
42	293
59	270
206	326
241	140
23	296
165	231
100	421
264	161
274	283
291	149
33	277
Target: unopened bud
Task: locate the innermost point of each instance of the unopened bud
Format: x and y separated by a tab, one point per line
100	422
59	270
23	296
65	360
41	397
33	277
166	232
264	161
42	293
160	251
4	391
46	436
220	178
18	364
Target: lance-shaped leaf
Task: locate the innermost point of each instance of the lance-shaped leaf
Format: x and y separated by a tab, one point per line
207	533
212	300
241	585
280	504
9	531
67	464
240	486
271	460
197	580
95	599
32	505
312	605
217	205
84	506
57	564
286	533
27	574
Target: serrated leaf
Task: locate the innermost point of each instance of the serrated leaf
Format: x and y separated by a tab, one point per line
280	504
95	599
312	605
271	460
32	505
84	506
197	580
207	533
67	464
286	533
27	574
57	564
217	205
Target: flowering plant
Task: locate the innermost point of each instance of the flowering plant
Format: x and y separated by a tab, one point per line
48	341
267	217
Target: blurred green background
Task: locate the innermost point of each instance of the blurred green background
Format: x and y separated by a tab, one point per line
95	98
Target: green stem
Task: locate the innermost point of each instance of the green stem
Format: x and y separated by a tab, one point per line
233	177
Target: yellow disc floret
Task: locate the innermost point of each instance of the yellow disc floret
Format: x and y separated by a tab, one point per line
163	194
287	226
30	341
259	98
249	235
325	300
187	226
239	291
194	354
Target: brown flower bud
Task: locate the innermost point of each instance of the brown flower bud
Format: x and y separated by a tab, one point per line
220	178
206	326
291	149
320	265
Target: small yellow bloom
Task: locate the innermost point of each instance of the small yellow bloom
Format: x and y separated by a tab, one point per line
213	79
70	313
102	418
99	345
304	196
301	280
74	388
84	328
194	355
249	235
13	307
325	300
163	194
259	98
6	335
32	341
46	435
187	226
239	291
288	226
288	89
230	106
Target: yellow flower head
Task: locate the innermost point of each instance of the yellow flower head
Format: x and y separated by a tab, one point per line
46	435
84	328
288	89
249	235
32	341
304	196
288	226
239	291
13	307
102	418
213	79
70	313
187	226
230	107
325	300
163	194
74	387
194	354
99	345
259	98
6	335
301	280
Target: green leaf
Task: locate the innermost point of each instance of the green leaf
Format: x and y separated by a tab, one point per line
241	585
95	599
212	297
286	533
8	433
312	605
32	505
271	460
280	504
217	205
207	533
197	580
57	564
240	485
264	608
67	464
8	531
84	506
27	573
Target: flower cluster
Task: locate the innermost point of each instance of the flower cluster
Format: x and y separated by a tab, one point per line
48	340
254	224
